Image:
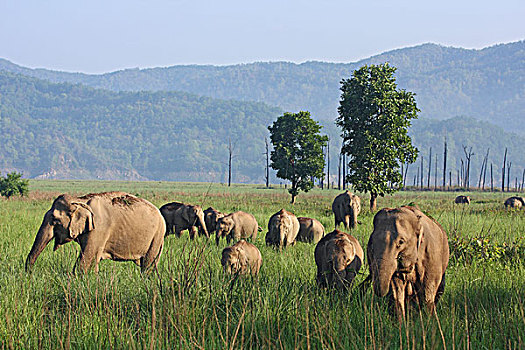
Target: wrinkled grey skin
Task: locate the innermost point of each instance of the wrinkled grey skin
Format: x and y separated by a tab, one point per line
180	217
339	258
211	217
236	226
283	228
514	202
310	230
241	258
111	225
462	200
346	207
407	255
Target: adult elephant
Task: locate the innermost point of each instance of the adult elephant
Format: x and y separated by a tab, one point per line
310	230
338	257
110	225
462	200
283	228
514	202
346	207
211	217
407	256
180	217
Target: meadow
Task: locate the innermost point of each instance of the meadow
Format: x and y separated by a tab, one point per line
189	303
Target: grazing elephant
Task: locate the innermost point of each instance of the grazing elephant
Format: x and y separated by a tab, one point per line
514	202
338	257
346	207
180	217
241	258
283	228
310	230
110	225
236	226
407	257
462	200
211	217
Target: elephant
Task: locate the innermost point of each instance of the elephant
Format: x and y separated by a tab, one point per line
407	255
338	257
514	202
109	225
462	200
211	217
346	207
241	258
310	230
236	226
283	228
180	217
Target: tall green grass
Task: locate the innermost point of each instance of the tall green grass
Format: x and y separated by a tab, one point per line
190	303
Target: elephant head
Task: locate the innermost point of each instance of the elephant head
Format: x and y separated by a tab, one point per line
194	216
234	260
341	253
65	221
224	226
393	245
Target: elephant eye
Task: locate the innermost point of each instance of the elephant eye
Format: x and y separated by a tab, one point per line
401	242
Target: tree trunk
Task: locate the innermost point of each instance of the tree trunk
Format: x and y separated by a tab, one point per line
373	202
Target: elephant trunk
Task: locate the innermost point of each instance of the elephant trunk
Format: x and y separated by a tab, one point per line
202	223
353	216
384	270
44	236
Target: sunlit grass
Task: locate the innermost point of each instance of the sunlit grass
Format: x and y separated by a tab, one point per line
189	303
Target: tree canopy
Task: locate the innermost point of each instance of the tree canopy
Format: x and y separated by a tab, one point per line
13	184
374	117
297	150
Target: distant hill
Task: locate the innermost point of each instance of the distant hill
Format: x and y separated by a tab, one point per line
71	131
487	84
63	130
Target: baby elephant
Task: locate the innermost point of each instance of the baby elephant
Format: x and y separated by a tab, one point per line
310	230
462	200
514	202
338	257
241	258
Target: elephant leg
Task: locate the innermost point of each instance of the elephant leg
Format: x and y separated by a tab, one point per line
398	293
151	259
440	290
88	256
347	222
193	232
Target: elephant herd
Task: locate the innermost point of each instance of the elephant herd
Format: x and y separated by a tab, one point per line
511	202
407	251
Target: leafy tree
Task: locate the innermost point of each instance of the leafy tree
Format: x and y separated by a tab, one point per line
374	117
12	184
297	150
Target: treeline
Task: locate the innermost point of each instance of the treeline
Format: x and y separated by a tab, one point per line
488	84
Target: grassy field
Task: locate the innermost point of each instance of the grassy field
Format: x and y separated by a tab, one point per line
189	303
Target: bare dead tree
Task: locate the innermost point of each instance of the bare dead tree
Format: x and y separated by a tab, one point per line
230	156
468	156
503	171
421	180
417	178
485	169
482	169
522	179
449	180
267	168
509	164
339	173
429	167
491	179
328	161
406	172
445	163
436	173
344	172
462	177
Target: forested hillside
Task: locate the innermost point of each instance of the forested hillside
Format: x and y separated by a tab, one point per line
72	131
487	84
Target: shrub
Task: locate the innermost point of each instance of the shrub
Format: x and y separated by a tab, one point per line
12	184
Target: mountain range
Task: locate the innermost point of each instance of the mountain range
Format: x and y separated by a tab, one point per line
175	123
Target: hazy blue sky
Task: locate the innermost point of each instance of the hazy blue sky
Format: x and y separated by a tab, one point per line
103	35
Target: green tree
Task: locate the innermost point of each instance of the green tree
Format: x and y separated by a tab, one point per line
12	184
374	117
297	150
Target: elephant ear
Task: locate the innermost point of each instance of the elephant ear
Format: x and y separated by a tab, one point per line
81	220
186	214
